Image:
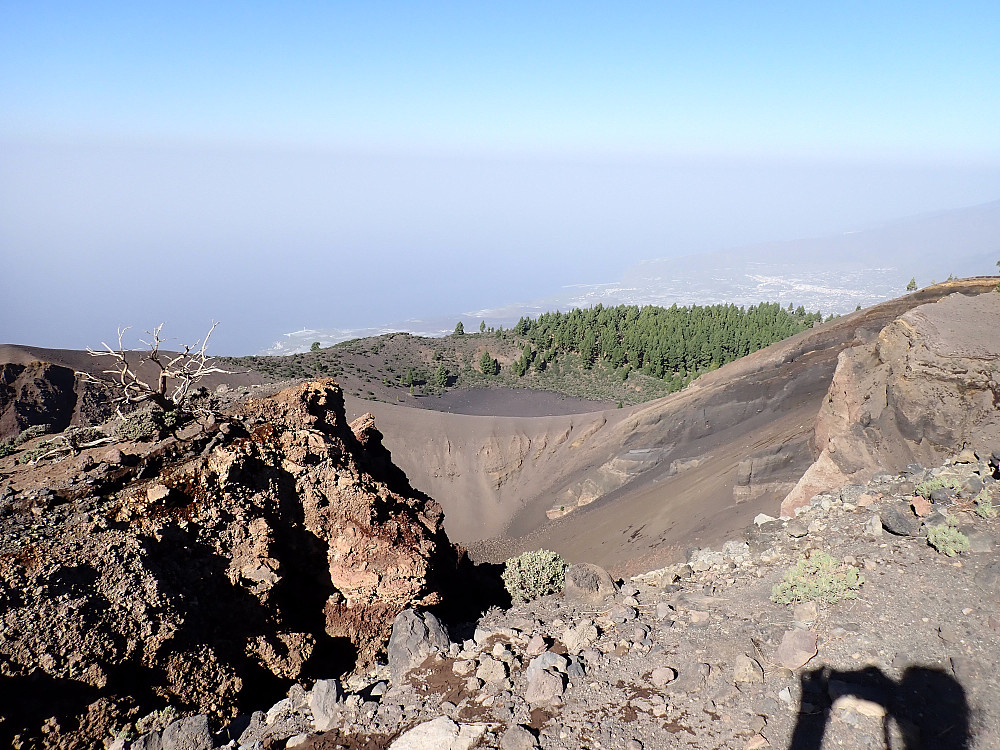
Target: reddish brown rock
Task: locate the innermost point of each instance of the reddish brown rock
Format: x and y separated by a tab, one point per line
919	391
796	649
921	506
44	393
281	554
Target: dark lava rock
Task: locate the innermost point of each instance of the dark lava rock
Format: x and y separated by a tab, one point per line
899	520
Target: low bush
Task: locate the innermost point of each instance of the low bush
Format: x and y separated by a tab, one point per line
819	577
534	574
35	453
938	483
149	424
13	444
947	539
36	430
984	505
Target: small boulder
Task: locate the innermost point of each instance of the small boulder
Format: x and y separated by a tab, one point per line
899	520
545	688
157	492
973	485
113	457
548	660
662	676
691	677
463	667
873	528
796	529
491	670
414	636
187	734
581	636
747	670
325	702
966	456
440	734
941	496
588	582
921	507
796	649
518	738
537	645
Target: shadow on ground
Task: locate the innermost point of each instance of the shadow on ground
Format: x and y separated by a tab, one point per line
925	710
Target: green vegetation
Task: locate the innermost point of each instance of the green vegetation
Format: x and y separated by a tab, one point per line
912	285
534	574
13	444
984	505
818	577
624	354
441	377
937	483
947	539
488	366
148	424
674	344
156	721
314	347
35	453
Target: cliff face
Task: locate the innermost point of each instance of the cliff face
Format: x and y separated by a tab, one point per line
923	388
208	570
44	393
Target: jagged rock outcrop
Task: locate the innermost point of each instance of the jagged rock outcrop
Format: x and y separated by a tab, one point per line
924	387
215	570
42	393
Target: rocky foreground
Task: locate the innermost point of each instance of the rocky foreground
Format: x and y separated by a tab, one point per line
202	568
267	578
699	655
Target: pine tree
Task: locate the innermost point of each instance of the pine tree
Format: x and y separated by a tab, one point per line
441	377
487	365
459	329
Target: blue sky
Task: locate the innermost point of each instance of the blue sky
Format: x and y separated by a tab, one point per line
455	156
840	79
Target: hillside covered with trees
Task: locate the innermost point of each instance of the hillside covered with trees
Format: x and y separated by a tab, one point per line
625	354
673	343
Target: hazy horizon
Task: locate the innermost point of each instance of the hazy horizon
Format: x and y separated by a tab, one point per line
277	168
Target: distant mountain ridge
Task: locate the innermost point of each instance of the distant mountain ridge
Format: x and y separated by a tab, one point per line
833	274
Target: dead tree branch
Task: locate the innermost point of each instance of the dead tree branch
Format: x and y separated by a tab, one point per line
175	373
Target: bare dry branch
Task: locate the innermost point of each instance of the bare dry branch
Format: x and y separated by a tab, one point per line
175	374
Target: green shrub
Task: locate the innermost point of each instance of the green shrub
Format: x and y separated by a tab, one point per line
37	452
947	539
818	577
534	574
148	424
938	483
13	444
36	430
156	721
142	425
984	505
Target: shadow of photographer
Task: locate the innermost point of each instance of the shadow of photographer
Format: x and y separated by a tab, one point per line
925	710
